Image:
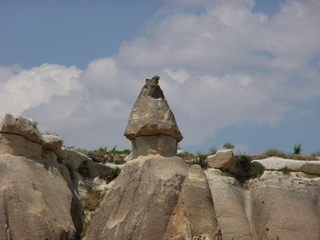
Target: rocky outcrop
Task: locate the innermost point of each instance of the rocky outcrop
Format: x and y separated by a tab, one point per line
156	196
141	200
223	159
276	163
194	215
274	206
151	116
35	201
37	198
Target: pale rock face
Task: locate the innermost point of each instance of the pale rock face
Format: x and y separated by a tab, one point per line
285	207
224	159
141	200
151	114
52	143
194	215
21	126
154	146
274	206
18	145
230	202
275	163
35	201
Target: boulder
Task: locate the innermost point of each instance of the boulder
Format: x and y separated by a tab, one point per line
194	215
35	201
141	200
276	163
151	114
22	126
52	143
18	145
223	159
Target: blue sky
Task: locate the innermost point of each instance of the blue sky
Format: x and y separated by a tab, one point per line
242	71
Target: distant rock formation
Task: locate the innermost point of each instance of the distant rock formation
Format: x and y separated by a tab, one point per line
152	127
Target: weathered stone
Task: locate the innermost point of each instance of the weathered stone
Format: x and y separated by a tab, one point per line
52	143
141	200
285	207
18	145
223	159
35	201
76	160
231	205
154	146
21	126
194	215
151	114
276	163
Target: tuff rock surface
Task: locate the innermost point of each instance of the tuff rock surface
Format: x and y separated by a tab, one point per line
151	114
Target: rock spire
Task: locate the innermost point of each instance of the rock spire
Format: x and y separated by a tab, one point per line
152	121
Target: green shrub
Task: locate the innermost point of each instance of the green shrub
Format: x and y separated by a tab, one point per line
89	185
110	174
256	170
285	170
316	153
228	145
212	151
273	152
201	160
243	162
297	148
188	155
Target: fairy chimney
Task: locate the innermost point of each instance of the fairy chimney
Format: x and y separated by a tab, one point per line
152	128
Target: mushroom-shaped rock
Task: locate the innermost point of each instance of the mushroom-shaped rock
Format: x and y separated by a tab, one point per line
152	127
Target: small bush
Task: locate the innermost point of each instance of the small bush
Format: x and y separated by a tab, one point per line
285	170
316	153
188	155
212	151
89	185
201	160
243	162
273	152
228	145
256	170
297	148
110	174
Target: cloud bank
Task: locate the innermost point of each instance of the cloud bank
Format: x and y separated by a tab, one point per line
220	63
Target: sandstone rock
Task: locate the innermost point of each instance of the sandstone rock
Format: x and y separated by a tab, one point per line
21	126
154	146
18	145
223	159
151	114
52	143
141	200
285	207
275	163
35	201
231	205
194	215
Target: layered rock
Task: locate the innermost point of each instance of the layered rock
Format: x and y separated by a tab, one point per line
37	199
152	127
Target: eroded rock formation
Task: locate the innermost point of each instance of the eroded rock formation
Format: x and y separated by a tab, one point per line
152	127
151	198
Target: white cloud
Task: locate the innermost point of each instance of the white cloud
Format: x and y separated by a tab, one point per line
218	66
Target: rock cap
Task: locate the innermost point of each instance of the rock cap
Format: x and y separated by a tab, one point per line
151	114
